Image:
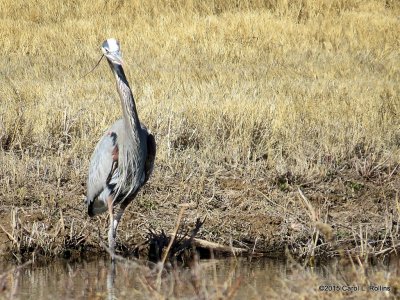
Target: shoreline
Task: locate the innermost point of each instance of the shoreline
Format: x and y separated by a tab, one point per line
350	215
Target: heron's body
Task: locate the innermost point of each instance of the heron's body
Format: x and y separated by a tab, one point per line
104	174
123	158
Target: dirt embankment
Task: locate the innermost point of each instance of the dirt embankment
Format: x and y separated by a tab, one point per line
347	212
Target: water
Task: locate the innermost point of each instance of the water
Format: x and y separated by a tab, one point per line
243	278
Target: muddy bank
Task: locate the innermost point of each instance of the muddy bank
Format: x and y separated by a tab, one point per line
344	213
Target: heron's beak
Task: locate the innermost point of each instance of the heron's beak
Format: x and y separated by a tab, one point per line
114	57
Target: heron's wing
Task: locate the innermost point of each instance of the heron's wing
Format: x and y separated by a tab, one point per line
151	155
102	169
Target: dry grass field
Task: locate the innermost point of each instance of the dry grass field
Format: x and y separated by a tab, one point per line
278	120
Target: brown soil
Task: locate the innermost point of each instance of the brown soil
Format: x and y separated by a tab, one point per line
268	215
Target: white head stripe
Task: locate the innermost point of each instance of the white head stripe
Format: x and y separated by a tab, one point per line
113	45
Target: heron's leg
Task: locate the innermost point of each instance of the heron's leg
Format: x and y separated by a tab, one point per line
118	215
111	231
114	221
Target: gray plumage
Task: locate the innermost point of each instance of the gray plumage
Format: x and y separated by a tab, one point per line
123	158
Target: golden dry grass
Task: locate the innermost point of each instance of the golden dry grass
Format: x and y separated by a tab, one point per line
247	100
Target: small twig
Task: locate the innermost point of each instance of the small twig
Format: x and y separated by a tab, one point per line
310	208
214	246
254	248
9	235
391	248
172	239
178	222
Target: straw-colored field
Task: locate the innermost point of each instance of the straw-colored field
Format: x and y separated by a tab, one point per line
248	100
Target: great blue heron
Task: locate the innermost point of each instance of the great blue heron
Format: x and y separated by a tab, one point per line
123	158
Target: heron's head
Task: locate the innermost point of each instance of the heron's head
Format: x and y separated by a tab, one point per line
112	51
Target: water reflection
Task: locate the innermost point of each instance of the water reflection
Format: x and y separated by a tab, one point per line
111	280
255	279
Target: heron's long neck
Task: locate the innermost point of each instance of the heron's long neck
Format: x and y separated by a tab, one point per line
127	100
